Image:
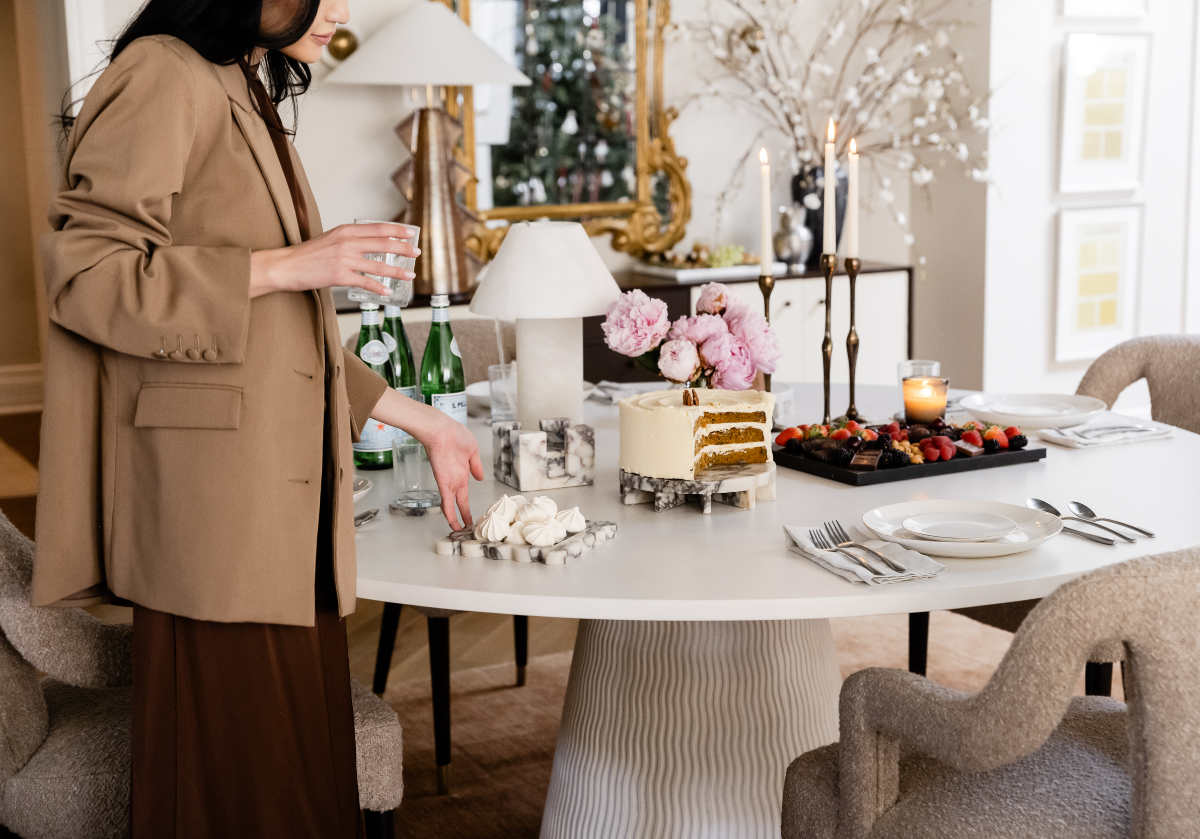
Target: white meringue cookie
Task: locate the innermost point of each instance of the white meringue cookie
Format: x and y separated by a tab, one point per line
514	534
542	534
492	528
505	507
571	519
546	503
531	513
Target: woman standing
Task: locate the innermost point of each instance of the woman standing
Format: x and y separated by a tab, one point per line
198	416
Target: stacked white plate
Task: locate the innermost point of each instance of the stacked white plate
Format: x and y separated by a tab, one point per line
1032	411
962	529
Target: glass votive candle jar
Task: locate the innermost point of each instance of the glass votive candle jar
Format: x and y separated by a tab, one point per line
924	398
914	367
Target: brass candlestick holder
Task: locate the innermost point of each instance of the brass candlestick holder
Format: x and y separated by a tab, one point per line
852	265
766	284
829	264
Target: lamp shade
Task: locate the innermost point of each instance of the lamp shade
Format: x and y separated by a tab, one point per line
426	44
545	269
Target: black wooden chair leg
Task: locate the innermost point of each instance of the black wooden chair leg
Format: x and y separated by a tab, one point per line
379	825
439	673
918	642
521	645
1097	678
387	642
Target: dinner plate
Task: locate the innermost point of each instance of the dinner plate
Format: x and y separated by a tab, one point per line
1031	411
959	526
1032	527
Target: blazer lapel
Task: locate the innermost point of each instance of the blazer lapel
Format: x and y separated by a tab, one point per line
259	139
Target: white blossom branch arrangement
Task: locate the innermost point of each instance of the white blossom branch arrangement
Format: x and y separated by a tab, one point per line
887	71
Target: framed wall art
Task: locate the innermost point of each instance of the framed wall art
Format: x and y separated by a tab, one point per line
1103	112
1099	254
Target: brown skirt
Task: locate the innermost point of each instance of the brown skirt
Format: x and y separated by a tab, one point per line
245	729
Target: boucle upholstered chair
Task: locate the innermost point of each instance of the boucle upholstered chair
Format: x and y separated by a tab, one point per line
1170	364
476	338
64	740
1021	757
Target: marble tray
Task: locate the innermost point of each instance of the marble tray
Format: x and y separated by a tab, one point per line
738	486
463	543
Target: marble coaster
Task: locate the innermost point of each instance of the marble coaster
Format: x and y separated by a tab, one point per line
738	486
463	543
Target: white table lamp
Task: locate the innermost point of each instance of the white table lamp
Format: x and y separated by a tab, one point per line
547	276
428	46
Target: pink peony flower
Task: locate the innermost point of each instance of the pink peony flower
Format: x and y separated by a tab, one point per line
752	329
716	350
736	372
678	361
714	298
697	329
635	324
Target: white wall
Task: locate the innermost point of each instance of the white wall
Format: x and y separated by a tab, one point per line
1025	67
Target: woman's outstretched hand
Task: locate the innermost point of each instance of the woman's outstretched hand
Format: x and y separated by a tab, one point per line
453	452
335	258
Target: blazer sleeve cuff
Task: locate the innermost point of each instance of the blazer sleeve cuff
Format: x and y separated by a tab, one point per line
364	387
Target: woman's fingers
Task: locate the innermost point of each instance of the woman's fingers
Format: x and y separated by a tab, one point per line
374	244
354	278
476	465
382	269
448	510
377	230
464	504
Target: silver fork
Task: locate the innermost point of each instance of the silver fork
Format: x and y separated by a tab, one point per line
819	539
842	539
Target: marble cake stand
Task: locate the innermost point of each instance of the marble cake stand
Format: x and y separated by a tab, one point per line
738	486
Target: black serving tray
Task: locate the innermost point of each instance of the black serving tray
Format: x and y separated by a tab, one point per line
864	477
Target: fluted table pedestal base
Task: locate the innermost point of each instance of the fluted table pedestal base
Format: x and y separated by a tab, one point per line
686	728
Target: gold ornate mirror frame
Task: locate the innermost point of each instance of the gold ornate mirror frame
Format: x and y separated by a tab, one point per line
636	226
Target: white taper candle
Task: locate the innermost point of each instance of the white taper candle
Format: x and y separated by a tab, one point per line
829	210
766	257
850	228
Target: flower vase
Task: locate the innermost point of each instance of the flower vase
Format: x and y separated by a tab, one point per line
808	190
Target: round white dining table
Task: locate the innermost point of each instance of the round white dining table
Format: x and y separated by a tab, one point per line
704	661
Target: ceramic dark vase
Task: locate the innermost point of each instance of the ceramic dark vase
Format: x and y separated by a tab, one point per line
811	181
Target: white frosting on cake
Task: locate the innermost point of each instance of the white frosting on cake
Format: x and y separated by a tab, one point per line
659	433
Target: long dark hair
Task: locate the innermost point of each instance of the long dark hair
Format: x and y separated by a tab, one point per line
226	32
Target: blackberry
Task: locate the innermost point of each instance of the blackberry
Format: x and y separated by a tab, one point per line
953	433
1017	441
853	444
884	439
841	456
990	445
891	458
794	445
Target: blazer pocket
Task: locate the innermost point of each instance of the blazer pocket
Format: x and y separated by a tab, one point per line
177	405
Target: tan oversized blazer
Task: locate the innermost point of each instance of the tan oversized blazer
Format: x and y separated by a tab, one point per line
181	452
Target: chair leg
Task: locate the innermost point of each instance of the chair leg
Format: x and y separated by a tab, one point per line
439	673
1097	678
387	642
918	642
521	645
379	825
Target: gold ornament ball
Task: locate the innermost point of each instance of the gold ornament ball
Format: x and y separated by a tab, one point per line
342	44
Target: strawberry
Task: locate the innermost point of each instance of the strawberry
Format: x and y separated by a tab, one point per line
1011	431
973	437
788	434
994	433
840	434
868	434
852	426
815	432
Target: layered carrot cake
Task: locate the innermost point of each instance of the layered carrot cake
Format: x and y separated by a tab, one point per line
679	433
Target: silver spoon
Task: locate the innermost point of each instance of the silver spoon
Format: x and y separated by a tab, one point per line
1045	507
1084	511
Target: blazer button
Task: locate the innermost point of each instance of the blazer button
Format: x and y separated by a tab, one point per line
175	355
210	354
193	353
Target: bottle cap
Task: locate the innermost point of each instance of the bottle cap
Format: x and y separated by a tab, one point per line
391	310
439	300
368	307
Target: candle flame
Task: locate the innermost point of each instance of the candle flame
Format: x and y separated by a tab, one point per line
853	146
926	390
762	156
831	131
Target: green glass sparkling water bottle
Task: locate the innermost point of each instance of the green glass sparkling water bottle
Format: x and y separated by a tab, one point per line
442	382
374	447
396	340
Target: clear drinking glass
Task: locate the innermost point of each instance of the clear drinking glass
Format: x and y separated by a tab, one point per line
502	388
416	488
401	290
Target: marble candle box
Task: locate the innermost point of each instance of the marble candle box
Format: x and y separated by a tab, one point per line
558	455
738	486
463	543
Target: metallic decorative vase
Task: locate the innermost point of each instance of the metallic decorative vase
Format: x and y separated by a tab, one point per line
808	190
793	240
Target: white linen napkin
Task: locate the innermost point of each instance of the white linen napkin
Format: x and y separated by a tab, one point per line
1073	438
920	567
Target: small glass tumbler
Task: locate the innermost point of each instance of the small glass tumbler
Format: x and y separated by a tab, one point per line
416	488
401	290
502	388
924	398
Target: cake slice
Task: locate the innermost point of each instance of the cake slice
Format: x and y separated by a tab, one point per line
679	433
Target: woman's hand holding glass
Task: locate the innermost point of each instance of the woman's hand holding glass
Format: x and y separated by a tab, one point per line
335	258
